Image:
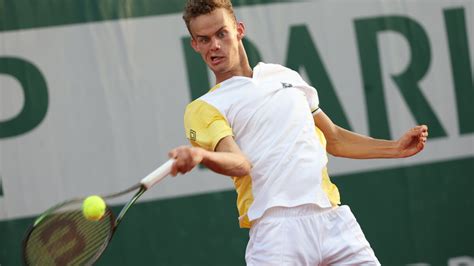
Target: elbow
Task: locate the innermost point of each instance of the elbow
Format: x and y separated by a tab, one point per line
335	143
334	150
244	169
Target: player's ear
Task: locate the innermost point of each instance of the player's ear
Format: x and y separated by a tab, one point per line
240	30
194	44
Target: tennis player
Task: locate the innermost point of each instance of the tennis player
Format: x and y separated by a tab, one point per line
259	127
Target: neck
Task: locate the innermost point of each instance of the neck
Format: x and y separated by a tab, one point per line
243	69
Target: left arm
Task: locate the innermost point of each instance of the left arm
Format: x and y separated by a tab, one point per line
344	143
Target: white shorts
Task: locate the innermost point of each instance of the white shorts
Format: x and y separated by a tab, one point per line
308	235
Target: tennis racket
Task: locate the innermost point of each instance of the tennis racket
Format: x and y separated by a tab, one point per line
63	236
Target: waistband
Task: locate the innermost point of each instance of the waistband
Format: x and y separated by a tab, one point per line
297	211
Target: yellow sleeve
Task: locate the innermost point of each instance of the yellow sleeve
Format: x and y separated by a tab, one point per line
205	126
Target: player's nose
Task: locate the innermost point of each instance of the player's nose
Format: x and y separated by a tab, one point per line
215	44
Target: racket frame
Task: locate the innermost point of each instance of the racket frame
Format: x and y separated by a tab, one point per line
146	183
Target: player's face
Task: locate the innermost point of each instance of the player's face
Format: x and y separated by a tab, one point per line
216	36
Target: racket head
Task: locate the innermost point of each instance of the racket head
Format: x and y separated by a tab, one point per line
63	236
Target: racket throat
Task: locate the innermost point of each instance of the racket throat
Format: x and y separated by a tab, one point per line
128	205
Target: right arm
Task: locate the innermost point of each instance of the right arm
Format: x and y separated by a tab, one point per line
227	159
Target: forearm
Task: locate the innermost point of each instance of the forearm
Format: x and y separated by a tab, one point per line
226	163
227	159
344	143
352	145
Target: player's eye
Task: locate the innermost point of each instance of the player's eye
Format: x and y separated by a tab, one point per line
221	34
203	40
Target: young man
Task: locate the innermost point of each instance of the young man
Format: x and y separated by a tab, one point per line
258	126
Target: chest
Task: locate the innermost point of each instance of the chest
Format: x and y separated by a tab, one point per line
268	105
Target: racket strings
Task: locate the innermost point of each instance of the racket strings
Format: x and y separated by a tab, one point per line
66	237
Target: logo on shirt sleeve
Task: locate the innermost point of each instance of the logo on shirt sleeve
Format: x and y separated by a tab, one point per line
286	85
192	135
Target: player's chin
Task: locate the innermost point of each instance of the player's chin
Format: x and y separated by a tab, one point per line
218	69
218	65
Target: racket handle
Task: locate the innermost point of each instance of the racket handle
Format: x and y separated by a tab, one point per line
157	175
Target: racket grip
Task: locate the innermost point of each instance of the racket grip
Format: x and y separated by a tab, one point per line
157	175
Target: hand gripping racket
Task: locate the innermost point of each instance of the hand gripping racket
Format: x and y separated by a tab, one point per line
63	236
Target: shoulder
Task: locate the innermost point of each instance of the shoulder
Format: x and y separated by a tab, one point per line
199	107
194	105
294	79
267	69
204	125
272	67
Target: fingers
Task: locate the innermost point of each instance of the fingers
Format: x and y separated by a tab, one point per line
421	145
413	141
422	129
173	154
186	158
422	133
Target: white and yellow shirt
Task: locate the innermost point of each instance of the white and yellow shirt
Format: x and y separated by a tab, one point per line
271	118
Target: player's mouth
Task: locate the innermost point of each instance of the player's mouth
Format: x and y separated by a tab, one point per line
215	60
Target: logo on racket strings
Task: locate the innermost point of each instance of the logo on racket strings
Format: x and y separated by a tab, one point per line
63	240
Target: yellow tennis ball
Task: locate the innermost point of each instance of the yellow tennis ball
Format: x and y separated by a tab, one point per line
93	208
